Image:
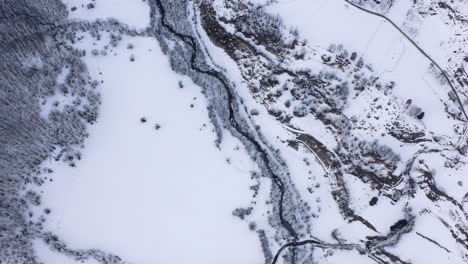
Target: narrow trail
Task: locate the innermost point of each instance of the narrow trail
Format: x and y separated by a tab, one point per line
189	40
312	242
318	244
418	48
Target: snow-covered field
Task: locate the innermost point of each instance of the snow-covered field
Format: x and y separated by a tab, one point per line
158	191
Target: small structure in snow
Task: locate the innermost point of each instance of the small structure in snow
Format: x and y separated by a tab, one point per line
464	150
420	115
254	112
408	103
452	95
397	194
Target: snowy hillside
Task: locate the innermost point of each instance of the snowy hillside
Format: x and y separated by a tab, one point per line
233	131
